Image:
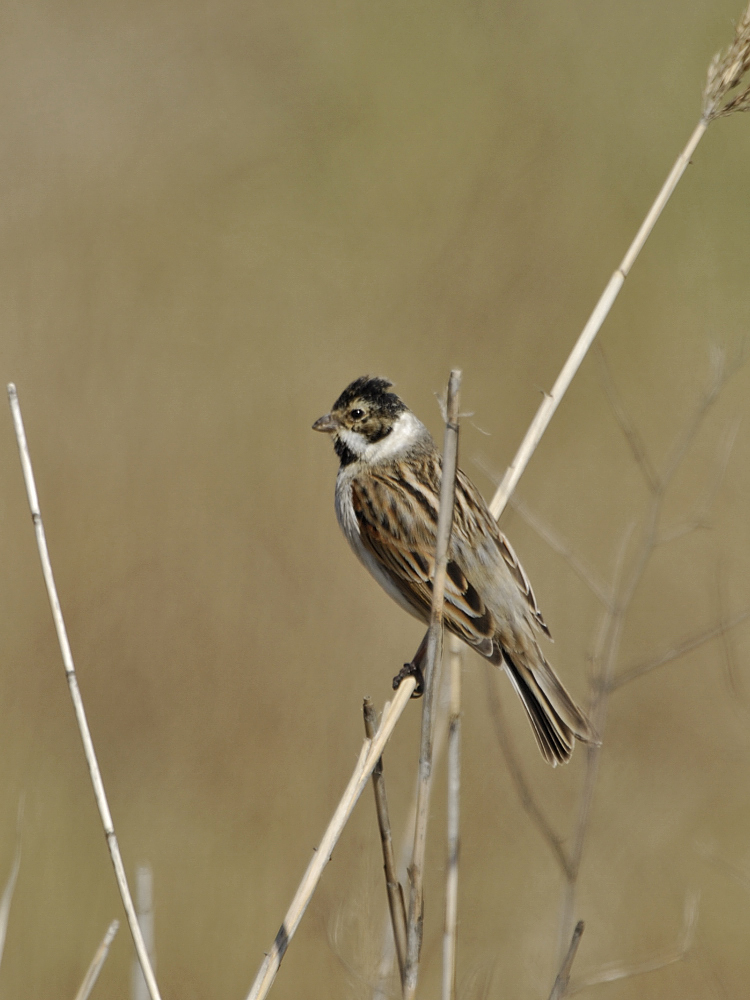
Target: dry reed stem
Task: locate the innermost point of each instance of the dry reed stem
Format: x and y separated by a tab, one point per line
616	602
730	665
144	901
560	986
432	668
393	886
100	957
700	518
601	310
368	758
555	542
525	795
381	991
450	933
615	971
579	567
725	73
622	416
608	647
10	885
624	593
75	694
681	649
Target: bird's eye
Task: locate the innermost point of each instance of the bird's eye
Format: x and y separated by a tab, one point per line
356	414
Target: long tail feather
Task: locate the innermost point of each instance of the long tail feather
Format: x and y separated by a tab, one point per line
556	720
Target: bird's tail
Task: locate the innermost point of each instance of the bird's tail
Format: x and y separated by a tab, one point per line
555	718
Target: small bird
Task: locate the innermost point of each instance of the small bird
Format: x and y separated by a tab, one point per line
387	500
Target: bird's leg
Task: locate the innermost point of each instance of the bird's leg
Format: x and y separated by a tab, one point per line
414	669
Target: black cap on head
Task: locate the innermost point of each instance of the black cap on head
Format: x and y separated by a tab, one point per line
374	390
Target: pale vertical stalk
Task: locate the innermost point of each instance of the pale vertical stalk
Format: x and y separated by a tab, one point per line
369	756
381	991
454	801
75	694
552	399
100	957
10	885
563	977
144	899
392	884
432	667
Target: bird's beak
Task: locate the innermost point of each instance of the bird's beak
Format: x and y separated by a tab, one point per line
327	424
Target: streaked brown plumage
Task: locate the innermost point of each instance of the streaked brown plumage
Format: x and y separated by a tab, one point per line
387	497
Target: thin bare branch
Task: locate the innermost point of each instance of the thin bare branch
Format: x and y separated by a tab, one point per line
722	370
681	649
97	962
75	694
528	802
703	509
730	665
605	683
555	541
453	833
562	548
611	973
434	655
392	884
563	977
606	656
623	418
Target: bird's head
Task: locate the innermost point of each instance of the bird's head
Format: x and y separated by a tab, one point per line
364	417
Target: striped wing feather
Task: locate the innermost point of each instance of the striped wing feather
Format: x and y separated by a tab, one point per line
411	571
397	514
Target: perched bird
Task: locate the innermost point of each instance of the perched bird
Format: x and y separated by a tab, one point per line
387	499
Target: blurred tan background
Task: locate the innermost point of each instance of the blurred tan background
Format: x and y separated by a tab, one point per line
214	216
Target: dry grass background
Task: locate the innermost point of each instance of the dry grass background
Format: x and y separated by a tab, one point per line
215	216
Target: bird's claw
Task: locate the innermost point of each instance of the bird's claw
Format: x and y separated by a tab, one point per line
410	670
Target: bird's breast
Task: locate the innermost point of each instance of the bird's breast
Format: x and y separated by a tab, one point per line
347	518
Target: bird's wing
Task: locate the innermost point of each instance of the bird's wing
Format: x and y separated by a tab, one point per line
401	536
477	522
524	584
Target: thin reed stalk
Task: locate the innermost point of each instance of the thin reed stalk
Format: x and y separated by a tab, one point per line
392	884
144	902
450	933
560	986
625	586
10	886
616	598
595	322
381	990
725	73
97	962
616	970
432	668
75	694
369	756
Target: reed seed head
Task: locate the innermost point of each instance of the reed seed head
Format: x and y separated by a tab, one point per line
725	73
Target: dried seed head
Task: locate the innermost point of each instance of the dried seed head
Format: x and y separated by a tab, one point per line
725	73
